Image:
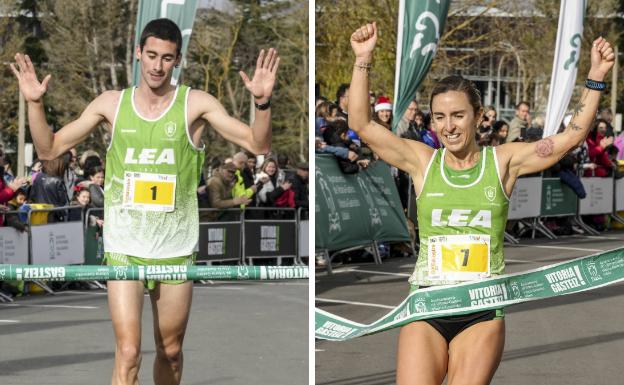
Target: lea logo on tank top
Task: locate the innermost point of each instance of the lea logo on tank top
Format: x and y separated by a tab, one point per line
150	156
461	217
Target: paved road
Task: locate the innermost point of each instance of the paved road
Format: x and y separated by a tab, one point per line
239	333
575	339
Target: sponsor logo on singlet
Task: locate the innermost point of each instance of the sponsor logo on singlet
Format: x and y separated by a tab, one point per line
461	217
490	193
150	156
170	129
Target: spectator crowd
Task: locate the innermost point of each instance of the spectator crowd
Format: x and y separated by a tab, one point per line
77	184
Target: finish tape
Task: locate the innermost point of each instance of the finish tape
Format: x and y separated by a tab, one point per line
574	276
156	273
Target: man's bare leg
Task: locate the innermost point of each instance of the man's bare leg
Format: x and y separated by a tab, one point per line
171	305
125	302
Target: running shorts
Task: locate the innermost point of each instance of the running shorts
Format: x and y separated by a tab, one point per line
117	259
450	326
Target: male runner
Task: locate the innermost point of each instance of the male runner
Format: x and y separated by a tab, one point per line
152	171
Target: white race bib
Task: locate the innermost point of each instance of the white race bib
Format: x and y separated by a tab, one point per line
149	192
458	257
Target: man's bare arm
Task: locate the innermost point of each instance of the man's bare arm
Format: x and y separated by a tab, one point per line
256	138
48	144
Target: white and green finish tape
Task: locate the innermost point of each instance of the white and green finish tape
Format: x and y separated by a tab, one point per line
156	273
568	277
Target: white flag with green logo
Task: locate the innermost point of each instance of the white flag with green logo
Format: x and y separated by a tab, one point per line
419	29
565	65
181	12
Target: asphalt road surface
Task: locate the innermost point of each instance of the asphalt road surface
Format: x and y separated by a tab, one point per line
238	333
574	339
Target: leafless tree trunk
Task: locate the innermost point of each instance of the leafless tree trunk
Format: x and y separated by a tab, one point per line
130	41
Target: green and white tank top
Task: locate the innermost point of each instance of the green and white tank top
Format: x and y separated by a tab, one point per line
461	221
152	173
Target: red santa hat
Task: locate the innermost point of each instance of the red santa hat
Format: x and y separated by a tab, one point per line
383	103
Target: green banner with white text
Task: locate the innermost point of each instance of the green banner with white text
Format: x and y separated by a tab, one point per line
356	209
419	29
182	12
65	273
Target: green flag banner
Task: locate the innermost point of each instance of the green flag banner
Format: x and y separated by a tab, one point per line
419	29
182	12
356	209
568	277
156	273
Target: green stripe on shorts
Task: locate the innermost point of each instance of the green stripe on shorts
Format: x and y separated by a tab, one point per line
118	259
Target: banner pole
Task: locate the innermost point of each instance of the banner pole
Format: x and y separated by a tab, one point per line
397	67
614	73
21	137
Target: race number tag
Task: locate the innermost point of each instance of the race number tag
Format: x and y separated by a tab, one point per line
149	192
459	257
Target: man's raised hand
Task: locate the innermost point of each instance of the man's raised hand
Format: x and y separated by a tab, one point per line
363	41
261	85
30	87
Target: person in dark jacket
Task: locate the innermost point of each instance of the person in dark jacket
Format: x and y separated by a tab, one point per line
13	220
300	185
95	178
49	187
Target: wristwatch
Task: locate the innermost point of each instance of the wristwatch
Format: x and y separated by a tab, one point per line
264	106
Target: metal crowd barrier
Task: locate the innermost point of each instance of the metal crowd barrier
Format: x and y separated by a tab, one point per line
238	235
278	237
555	199
44	241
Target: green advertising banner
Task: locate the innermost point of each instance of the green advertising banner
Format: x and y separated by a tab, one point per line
568	277
558	199
356	209
419	29
182	12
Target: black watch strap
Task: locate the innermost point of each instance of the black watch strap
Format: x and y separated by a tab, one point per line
595	85
264	106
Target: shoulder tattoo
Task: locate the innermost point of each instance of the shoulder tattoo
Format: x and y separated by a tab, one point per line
544	147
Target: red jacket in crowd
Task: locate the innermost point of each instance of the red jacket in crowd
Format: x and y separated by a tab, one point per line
6	194
599	156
